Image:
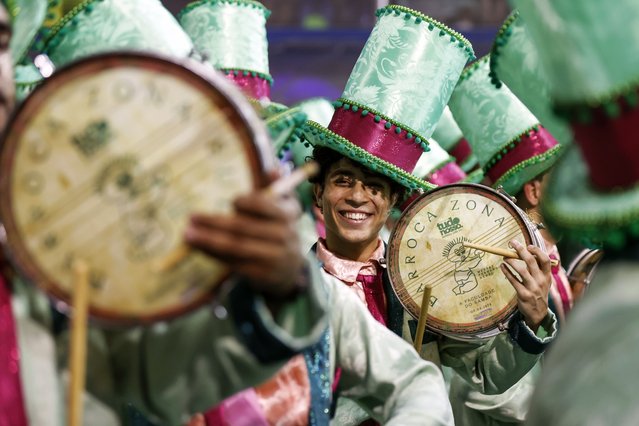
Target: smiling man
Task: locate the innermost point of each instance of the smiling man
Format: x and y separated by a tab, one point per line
366	156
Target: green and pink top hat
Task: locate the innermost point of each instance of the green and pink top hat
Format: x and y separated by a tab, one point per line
451	138
231	35
438	167
396	94
514	60
591	58
511	145
99	26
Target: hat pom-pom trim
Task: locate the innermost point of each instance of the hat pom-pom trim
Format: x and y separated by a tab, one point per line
501	40
48	39
246	3
364	111
247	73
420	18
470	69
612	105
509	146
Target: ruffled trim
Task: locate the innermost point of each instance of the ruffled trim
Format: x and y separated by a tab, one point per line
47	37
355	107
344	146
524	167
420	18
503	35
246	3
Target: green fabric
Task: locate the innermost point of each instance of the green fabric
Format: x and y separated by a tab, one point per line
577	211
231	34
26	77
27	17
515	60
282	125
432	160
587	46
447	132
490	118
403	52
318	110
590	375
111	25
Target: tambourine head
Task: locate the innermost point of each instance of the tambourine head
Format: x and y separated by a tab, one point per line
105	162
470	297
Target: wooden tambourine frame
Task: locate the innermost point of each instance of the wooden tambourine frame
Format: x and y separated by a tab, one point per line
106	160
471	298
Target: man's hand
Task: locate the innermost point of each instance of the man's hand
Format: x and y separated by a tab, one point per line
259	241
532	290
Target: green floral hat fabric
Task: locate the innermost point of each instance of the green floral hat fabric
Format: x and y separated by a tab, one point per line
515	60
27	17
586	47
404	50
493	120
230	34
98	26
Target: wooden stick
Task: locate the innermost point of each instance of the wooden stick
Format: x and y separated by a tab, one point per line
511	254
78	348
423	313
276	189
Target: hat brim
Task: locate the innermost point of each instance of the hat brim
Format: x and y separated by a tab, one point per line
281	127
514	179
475	177
319	135
574	209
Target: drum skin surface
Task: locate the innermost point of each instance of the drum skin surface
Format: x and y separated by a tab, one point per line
105	162
470	297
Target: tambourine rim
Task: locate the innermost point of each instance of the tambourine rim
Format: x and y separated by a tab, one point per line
208	82
432	323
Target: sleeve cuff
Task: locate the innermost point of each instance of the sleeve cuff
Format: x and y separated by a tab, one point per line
298	325
527	340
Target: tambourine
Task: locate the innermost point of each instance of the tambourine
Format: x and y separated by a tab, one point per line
106	160
471	297
582	269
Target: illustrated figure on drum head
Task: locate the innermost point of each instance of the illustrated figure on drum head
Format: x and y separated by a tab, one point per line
465	260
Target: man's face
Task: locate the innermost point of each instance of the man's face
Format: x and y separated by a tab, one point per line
7	87
355	203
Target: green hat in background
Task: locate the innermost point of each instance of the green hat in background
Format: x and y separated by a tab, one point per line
514	60
387	113
99	26
510	143
231	36
438	167
590	53
26	77
451	138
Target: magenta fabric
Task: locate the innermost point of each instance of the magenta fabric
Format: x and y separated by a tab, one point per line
374	294
255	87
610	146
534	143
563	291
12	410
450	173
242	409
376	139
461	151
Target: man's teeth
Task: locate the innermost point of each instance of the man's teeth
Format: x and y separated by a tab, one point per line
355	216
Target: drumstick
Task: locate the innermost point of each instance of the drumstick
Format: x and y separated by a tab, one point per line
279	187
421	323
78	348
511	254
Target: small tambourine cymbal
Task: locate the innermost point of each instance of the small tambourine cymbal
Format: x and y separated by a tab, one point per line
106	160
471	298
